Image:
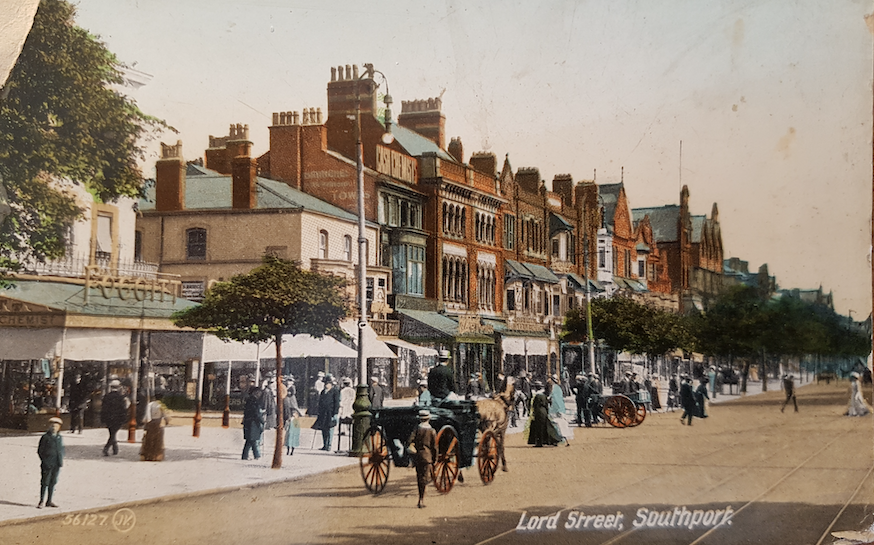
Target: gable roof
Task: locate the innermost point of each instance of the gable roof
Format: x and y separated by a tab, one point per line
662	219
698	226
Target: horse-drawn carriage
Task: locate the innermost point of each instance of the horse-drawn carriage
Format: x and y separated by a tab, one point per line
457	424
624	411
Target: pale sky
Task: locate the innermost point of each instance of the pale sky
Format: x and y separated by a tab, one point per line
771	99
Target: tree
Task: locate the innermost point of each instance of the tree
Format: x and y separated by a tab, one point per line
60	118
274	299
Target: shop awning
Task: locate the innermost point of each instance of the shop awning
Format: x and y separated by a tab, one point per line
96	345
167	347
305	346
29	344
373	347
215	349
423	325
420	351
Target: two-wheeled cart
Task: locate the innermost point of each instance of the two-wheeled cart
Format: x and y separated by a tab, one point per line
456	422
624	411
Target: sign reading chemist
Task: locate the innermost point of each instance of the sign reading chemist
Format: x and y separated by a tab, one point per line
397	165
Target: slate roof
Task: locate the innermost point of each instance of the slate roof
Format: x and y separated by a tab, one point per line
663	220
558	223
698	223
609	197
70	298
416	144
529	271
209	190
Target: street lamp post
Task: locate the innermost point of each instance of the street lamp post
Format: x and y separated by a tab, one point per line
362	414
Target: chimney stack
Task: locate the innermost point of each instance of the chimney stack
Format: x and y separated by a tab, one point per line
484	162
456	149
170	179
243	167
425	118
528	179
563	184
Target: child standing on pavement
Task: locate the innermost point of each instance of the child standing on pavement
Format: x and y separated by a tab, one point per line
51	455
423	445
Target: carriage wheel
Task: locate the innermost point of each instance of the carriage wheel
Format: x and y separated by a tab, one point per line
640	414
487	457
375	460
446	465
619	411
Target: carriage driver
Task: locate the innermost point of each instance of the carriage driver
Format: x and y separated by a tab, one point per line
441	379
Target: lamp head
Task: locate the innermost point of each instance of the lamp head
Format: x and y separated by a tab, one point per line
387	137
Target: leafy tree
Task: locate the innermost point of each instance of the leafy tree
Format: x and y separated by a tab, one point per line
274	299
61	118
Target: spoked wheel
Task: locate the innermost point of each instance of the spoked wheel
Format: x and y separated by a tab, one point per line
640	414
619	411
376	460
487	457
446	465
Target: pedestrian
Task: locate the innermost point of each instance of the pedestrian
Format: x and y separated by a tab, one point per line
319	385
375	393
51	458
114	415
423	448
700	397
687	400
253	421
79	397
557	410
329	407
152	449
484	389
673	392
858	405
472	390
711	377
593	393
539	428
789	390
291	418
347	399
566	382
579	391
655	402
624	386
523	393
269	403
424	397
441	380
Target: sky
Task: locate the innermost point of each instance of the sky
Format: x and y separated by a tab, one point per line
772	100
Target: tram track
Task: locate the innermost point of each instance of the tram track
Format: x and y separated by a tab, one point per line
692	460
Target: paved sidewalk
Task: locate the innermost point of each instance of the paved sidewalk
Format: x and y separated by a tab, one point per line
89	480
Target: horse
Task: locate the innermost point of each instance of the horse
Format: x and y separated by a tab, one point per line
493	416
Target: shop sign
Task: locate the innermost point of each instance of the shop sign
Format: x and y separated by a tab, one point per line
127	287
21	314
470	325
397	165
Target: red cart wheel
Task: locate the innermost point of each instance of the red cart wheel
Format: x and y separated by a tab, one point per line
487	457
446	465
375	462
640	414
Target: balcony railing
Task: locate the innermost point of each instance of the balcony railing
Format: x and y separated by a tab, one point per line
74	267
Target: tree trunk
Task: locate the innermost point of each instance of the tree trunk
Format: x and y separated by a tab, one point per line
764	373
280	401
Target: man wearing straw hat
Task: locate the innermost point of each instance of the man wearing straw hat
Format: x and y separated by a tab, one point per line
423	447
51	455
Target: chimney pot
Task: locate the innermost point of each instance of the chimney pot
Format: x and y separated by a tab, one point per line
333	74
277	117
354	71
348	72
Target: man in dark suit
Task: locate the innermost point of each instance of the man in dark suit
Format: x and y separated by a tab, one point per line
375	393
687	400
580	389
441	379
593	400
114	415
329	407
51	456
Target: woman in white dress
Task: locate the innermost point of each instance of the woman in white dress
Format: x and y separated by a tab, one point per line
858	405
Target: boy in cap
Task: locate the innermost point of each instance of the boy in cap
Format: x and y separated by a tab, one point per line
423	445
51	455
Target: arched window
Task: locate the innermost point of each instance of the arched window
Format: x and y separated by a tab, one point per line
347	248
323	244
195	243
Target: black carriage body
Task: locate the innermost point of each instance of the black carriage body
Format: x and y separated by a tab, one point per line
400	422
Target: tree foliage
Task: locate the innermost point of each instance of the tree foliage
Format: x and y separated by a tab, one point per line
272	300
61	118
629	326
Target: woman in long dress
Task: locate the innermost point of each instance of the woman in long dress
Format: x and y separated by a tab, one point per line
858	405
152	449
291	415
557	410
